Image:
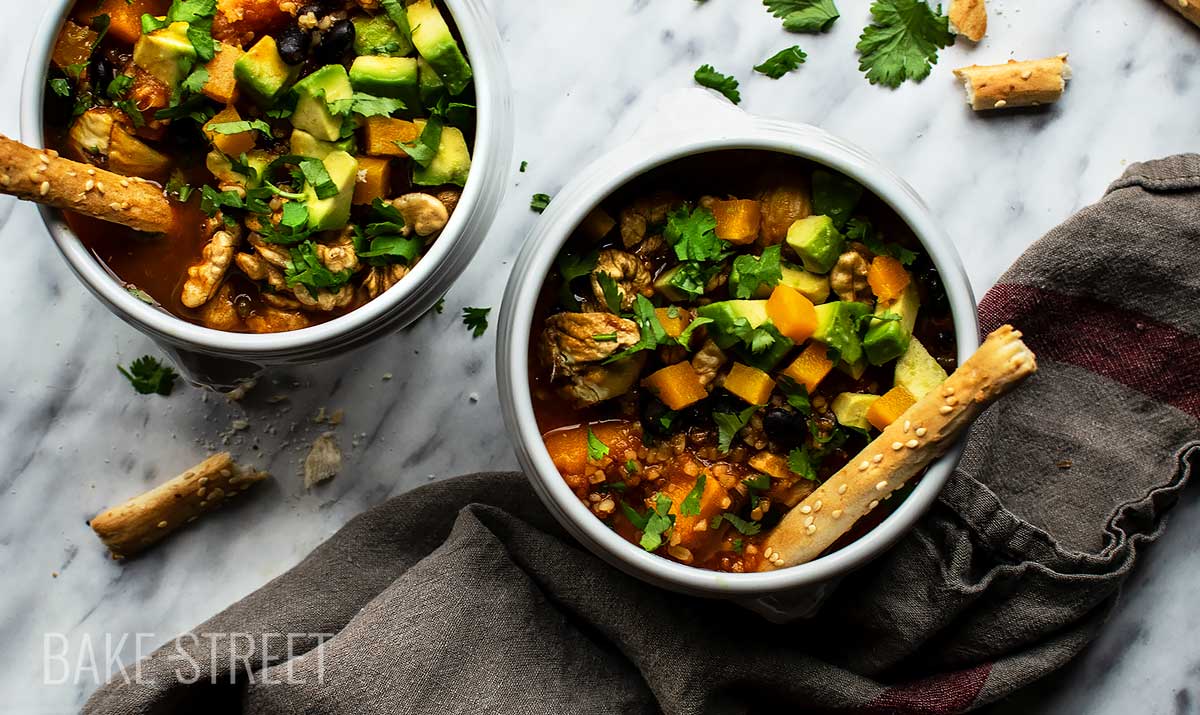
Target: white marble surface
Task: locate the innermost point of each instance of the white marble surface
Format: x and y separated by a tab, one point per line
583	72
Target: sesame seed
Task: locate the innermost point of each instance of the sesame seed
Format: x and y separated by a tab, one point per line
877	458
897	446
44	188
200	491
91	172
43	158
811	529
945	409
80	198
100	187
808	520
162	524
873	504
951	400
881	486
768	551
89	185
41	169
912	443
864	466
1026	74
125	183
52	153
837	514
817	506
842	489
907	424
949	390
115	206
125	206
5	179
921	431
804	508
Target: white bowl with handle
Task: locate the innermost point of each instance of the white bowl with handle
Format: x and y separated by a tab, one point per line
687	123
220	359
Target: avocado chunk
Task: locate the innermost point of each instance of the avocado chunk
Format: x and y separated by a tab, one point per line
393	77
664	287
850	409
333	212
835	196
305	144
167	54
768	359
854	369
817	242
888	339
450	165
726	312
917	371
837	327
429	84
263	74
810	285
431	36
221	167
314	96
378	35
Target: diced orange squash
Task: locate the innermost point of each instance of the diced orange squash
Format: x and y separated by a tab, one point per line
222	85
568	447
677	385
887	278
230	144
888	408
811	367
737	220
793	314
712	497
74	45
749	383
125	16
380	135
238	22
375	179
596	224
674	326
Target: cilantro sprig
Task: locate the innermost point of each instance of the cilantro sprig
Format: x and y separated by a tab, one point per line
597	450
658	522
690	506
149	376
708	76
750	272
804	15
903	41
729	424
782	62
476	320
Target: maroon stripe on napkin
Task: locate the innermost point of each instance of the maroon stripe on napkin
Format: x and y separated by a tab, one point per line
1128	347
943	694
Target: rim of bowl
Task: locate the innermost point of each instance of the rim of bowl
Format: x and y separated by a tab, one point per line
469	17
548	238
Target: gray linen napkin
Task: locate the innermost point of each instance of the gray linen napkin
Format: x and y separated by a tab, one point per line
465	596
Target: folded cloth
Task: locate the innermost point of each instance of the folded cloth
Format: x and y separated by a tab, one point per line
465	596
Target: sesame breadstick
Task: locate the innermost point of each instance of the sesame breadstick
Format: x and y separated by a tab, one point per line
968	18
143	520
45	177
905	448
1188	8
1015	84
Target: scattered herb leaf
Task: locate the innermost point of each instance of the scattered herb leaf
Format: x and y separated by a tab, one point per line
659	521
782	62
476	320
729	424
749	272
707	76
903	41
804	15
539	202
149	376
690	506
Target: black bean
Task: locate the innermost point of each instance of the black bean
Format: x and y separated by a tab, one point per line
335	43
101	72
784	427
294	44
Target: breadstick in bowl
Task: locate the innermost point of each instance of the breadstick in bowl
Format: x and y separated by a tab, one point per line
147	518
900	452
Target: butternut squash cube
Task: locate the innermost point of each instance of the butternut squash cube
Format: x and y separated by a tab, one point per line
887	278
380	135
674	326
74	45
811	367
711	498
676	385
222	84
888	408
737	220
125	16
749	383
230	144
374	179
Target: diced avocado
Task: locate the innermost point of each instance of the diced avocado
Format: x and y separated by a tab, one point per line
810	285
835	196
167	54
724	313
888	339
850	409
768	359
378	35
837	327
817	242
662	285
221	167
305	144
394	77
431	36
917	371
450	165
334	212
429	83
263	74
314	95
854	369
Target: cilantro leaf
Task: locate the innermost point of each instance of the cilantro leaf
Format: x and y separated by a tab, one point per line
638	520
748	528
903	41
597	450
572	266
782	62
308	270
759	482
707	76
396	12
476	320
367	105
796	394
801	462
149	376
693	234
242	126
523	167
61	87
685	338
653	333
426	145
195	81
119	86
212	201
749	272
804	15
612	292
394	246
729	424
690	506
539	202
691	277
659	521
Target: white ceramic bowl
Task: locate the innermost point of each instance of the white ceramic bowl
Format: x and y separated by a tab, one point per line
692	122
220	359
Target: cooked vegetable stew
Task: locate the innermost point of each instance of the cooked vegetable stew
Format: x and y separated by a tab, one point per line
720	336
317	147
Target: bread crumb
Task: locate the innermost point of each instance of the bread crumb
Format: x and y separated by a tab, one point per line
323	462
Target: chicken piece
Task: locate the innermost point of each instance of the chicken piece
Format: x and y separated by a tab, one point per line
782	205
339	255
645	212
569	348
423	214
90	134
848	279
219	313
652	247
205	277
707	362
380	278
240	22
274	320
628	271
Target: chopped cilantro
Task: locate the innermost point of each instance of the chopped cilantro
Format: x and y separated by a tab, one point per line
539	202
130	108
782	62
61	87
524	166
367	105
426	145
796	394
685	338
572	266
395	10
729	424
692	277
690	506
198	14
476	320
747	528
804	15
653	333
693	235
759	482
605	337
149	376
612	292
902	42
631	467
659	521
308	270
638	520
119	86
707	76
440	305
738	545
212	201
238	127
749	273
801	462
177	186
195	81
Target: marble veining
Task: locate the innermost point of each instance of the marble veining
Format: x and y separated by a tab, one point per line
584	74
